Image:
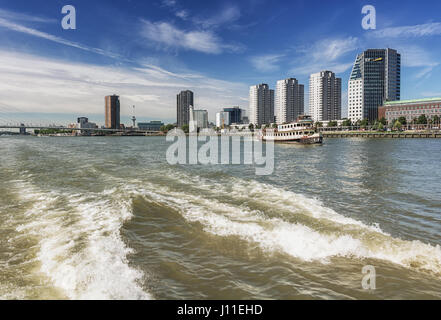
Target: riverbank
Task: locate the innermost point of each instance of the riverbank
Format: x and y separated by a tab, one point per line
376	134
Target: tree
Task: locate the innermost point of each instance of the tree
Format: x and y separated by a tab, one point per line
332	124
380	126
422	119
397	125
383	121
167	128
364	123
251	127
274	125
392	123
402	120
185	128
435	119
318	124
347	123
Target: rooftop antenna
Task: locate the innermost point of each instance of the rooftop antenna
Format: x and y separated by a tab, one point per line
134	118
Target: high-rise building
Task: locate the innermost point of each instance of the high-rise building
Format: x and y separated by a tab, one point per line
290	101
261	104
235	114
112	112
198	119
324	96
375	78
222	119
184	101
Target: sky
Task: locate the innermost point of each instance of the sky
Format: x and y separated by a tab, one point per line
147	51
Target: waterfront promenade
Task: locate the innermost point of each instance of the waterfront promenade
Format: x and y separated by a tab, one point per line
376	134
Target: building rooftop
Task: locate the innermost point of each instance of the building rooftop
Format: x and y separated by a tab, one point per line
398	102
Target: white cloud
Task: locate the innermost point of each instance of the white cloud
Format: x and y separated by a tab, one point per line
266	63
332	49
169	3
227	15
169	36
11	15
34	84
310	68
36	33
416	57
183	14
326	54
421	30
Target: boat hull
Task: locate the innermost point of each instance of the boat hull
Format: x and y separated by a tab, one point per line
314	139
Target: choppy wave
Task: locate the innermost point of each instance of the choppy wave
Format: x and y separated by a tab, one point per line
324	235
81	250
80	246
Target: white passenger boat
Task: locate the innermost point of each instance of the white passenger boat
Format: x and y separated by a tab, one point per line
302	131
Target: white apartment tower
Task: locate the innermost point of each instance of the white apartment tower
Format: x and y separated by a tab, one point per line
324	96
290	100
355	92
261	104
222	119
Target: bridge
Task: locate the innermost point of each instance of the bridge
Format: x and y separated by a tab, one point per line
8	123
24	127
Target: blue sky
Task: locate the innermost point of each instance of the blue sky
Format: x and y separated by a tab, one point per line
147	51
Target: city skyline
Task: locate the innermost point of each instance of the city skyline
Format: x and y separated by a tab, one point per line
215	52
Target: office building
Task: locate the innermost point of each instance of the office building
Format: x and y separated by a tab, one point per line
83	123
375	78
410	109
261	105
112	112
289	100
198	119
324	96
184	101
235	114
150	126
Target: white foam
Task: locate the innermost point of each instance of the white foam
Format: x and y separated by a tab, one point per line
295	239
81	251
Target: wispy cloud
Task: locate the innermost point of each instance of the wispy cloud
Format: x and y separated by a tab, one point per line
329	54
227	15
169	3
78	88
420	30
15	16
414	56
168	36
266	63
47	36
332	49
317	67
183	14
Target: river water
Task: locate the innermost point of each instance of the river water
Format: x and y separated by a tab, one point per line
109	218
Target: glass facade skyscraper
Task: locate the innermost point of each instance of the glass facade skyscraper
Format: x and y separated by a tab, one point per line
235	114
375	78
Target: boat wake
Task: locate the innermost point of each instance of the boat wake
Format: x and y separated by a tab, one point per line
80	247
282	221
